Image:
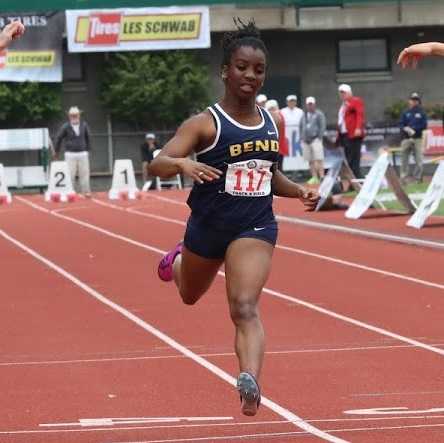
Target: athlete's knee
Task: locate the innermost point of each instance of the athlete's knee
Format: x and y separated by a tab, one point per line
190	297
243	310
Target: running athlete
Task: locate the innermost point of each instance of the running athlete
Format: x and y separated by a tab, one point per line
232	219
410	56
11	32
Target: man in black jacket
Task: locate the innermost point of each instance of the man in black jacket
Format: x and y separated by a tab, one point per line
76	138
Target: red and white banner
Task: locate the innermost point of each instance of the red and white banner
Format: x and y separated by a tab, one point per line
434	142
138	29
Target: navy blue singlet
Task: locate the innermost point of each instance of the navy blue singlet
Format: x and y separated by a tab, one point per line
209	202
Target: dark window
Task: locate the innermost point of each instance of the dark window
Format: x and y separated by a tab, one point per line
363	55
73	69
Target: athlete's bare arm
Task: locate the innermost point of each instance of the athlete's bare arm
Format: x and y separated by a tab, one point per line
283	187
194	134
409	57
11	32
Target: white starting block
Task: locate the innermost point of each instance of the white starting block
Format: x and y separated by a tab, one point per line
124	182
5	195
60	187
431	200
380	173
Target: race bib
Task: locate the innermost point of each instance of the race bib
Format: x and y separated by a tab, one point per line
251	178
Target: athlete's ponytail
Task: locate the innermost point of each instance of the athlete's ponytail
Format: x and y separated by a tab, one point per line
245	35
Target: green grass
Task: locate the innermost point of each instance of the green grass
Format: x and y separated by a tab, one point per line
412	188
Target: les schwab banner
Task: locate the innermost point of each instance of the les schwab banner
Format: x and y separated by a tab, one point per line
37	56
140	29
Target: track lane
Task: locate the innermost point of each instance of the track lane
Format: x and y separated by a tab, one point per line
129	226
114	283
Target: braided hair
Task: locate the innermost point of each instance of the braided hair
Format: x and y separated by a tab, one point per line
247	34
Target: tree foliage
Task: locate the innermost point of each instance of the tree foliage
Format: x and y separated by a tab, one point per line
154	89
29	104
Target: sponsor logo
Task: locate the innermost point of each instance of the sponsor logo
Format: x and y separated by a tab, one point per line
27	59
104	29
117	28
259	229
251	164
271	133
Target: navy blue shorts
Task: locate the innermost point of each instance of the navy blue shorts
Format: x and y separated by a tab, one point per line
209	242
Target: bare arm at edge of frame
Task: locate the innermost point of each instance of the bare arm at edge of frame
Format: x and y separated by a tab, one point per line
11	32
410	56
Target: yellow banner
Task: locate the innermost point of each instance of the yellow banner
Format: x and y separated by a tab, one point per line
136	28
30	59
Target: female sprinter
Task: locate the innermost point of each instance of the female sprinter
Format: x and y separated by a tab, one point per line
231	219
410	56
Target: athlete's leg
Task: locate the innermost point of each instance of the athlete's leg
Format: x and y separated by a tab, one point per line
194	274
247	266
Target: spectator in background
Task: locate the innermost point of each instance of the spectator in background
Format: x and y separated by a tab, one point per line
75	136
313	129
147	149
273	107
413	122
351	127
293	118
261	100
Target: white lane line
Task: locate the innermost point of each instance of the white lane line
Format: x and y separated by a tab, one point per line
339	228
272	435
120	208
362	232
295	250
266	402
281	295
213	425
209	355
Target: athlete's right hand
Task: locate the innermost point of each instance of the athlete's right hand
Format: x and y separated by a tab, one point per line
199	172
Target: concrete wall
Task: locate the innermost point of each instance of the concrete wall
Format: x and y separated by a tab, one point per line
311	56
378	14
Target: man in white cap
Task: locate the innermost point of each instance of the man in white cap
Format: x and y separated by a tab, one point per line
351	126
293	120
261	100
313	129
147	149
75	136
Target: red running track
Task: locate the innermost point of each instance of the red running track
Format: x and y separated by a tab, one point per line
67	356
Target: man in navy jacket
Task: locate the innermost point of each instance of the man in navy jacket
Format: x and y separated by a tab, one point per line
413	122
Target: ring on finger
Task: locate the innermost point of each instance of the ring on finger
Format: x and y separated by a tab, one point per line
201	173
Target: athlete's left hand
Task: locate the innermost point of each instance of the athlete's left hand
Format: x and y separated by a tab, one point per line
310	199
